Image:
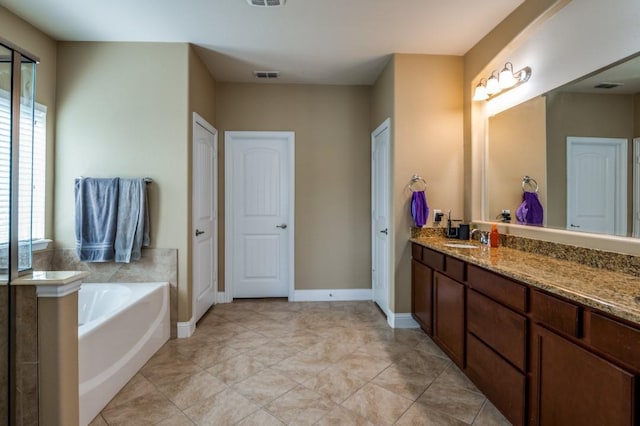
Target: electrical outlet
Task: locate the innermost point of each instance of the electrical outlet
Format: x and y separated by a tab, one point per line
507	211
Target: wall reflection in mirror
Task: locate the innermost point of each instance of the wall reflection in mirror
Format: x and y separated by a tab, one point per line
579	143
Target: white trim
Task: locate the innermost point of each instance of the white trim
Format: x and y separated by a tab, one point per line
331	295
401	321
223	297
186	329
228	197
61	290
198	120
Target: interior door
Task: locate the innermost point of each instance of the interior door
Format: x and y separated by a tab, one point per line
260	212
205	223
597	185
380	213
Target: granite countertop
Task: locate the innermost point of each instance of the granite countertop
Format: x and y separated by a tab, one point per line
613	292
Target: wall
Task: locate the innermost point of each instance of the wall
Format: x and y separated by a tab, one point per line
122	111
333	172
428	142
590	115
517	148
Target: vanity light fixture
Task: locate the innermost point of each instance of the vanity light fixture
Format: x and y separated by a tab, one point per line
496	84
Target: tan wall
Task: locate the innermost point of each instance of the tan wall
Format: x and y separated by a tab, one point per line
480	55
579	114
383	97
427	141
332	148
122	111
636	115
34	41
517	148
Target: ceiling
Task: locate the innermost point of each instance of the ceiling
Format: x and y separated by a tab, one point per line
624	74
308	41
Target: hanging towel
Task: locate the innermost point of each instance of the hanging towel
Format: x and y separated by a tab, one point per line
132	232
96	215
530	211
419	208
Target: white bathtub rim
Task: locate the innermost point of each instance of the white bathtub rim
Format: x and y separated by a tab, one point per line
88	385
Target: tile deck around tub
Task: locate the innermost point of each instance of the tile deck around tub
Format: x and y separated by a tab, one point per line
271	362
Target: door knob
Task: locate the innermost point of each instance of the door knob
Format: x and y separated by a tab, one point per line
575	226
283	226
385	231
199	232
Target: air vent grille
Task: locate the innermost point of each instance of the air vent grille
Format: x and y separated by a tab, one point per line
266	74
266	3
607	85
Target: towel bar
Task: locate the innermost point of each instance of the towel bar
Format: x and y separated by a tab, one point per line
415	179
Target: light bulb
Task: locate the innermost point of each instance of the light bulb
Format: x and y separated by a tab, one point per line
506	79
480	93
493	86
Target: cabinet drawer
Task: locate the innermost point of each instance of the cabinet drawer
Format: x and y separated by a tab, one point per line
616	339
498	288
556	314
456	269
501	328
416	252
433	259
497	379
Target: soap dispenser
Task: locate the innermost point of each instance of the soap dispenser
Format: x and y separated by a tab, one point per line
494	236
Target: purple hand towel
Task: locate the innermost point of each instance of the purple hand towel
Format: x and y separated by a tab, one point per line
419	208
530	211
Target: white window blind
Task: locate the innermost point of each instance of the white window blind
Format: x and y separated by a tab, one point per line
32	158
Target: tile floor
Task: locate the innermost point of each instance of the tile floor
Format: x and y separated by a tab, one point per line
271	362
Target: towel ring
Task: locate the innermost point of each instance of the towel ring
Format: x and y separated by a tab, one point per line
415	182
530	183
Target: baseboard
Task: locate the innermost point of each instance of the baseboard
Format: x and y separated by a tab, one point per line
221	297
331	295
186	329
401	321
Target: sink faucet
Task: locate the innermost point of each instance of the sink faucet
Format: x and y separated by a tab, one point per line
451	231
484	236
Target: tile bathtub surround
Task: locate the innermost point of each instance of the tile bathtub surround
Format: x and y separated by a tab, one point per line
271	362
155	265
611	261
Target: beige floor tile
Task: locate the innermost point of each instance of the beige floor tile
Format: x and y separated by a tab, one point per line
453	377
150	408
364	365
335	383
331	350
272	353
385	350
404	382
300	367
189	391
422	415
211	354
136	387
300	406
453	401
428	346
177	420
377	404
300	341
421	363
260	418
169	369
343	417
98	421
224	408
490	416
265	386
236	369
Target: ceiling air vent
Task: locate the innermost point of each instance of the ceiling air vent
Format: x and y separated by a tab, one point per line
607	85
266	74
266	3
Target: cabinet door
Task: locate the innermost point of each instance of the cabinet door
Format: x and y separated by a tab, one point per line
422	295
572	386
449	309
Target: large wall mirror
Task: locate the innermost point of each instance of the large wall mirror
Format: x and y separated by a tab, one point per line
576	144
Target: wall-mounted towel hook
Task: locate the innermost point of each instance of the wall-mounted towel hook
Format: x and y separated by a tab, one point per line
529	182
417	183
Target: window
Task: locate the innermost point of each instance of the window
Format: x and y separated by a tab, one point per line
37	151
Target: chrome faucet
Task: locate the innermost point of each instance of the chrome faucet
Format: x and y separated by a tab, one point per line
484	236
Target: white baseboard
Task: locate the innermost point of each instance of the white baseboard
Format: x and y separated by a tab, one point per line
331	295
401	321
186	329
221	297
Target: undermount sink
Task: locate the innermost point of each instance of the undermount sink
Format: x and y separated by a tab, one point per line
460	245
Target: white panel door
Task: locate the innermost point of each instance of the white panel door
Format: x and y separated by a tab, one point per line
597	185
380	214
260	197
205	221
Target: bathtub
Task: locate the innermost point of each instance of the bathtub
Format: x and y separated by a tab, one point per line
120	326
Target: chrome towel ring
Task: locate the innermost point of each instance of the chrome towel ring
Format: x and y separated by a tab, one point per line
529	182
417	184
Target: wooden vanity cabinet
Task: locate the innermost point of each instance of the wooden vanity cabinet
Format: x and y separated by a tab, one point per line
422	295
449	316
